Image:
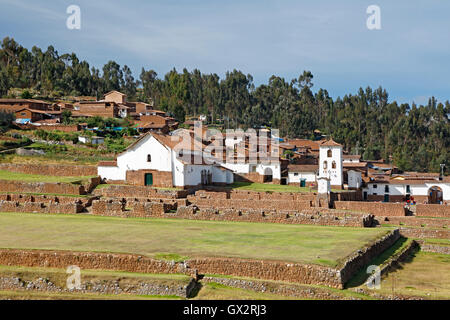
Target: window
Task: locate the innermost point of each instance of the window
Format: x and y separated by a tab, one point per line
333	165
295	174
375	186
149	158
329	153
325	165
408	189
386	188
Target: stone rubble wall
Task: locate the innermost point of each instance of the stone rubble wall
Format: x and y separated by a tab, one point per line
375	208
50	169
41	187
39	207
102	286
362	257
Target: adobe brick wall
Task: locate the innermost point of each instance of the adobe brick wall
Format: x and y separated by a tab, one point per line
114	191
433	210
41	187
375	208
161	179
38	207
50	170
249	177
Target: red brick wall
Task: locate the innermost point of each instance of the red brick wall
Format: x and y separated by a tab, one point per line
375	208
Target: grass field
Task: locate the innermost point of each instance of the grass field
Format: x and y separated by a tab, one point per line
159	237
262	187
8	175
424	274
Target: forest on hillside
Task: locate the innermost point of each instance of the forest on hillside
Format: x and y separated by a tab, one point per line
417	137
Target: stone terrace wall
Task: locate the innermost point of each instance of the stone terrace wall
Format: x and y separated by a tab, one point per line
100	286
45	198
114	191
38	207
269	270
251	204
431	247
50	169
286	217
162	209
362	257
424	233
253	195
415	222
41	187
433	210
375	208
90	260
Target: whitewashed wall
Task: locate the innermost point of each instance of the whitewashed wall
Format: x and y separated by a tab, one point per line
309	176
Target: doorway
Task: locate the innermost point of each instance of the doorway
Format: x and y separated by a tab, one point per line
435	195
149	179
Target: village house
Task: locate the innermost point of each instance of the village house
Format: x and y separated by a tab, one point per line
13	105
303	174
164	161
26	115
422	187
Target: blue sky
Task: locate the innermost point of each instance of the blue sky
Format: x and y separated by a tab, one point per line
409	56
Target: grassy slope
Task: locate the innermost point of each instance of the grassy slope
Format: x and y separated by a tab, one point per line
295	243
424	274
8	175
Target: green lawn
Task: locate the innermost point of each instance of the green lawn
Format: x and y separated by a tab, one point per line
186	238
261	187
8	175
